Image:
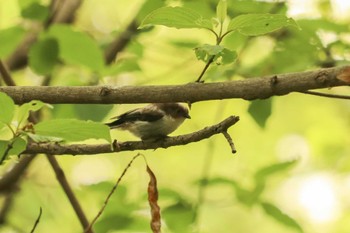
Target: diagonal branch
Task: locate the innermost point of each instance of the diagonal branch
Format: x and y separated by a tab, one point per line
248	89
84	149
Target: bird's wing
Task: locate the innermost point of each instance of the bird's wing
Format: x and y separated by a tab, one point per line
139	114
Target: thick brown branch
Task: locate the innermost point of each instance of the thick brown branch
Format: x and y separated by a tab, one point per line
79	149
249	89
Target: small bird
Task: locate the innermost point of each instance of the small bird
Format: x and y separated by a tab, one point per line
153	121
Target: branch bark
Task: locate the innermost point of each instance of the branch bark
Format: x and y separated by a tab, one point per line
248	89
80	149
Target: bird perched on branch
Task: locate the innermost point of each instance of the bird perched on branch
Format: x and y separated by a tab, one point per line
153	121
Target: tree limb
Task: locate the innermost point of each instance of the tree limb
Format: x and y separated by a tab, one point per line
80	149
248	89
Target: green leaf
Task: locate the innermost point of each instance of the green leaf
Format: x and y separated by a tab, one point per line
260	110
9	39
24	109
221	10
148	7
259	24
7	107
263	173
227	56
221	55
16	145
77	48
281	217
178	17
73	130
43	138
35	11
43	56
19	145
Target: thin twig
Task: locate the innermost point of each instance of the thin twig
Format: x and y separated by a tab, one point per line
84	149
88	229
335	96
37	221
230	141
69	192
205	69
6	75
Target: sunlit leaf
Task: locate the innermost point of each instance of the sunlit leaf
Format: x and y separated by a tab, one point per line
43	56
7	107
9	39
260	110
73	130
221	10
281	217
219	54
77	48
178	17
258	24
25	109
148	7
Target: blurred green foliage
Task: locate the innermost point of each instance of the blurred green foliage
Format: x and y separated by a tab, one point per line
271	134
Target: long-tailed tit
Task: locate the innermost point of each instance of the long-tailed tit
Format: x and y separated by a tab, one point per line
152	121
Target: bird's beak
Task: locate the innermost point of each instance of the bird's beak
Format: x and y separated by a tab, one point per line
188	116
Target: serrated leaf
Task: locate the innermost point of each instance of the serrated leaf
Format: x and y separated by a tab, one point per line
206	51
43	138
272	169
221	10
7	107
178	17
281	217
43	56
9	39
77	48
221	55
73	130
24	109
259	24
260	110
227	56
35	11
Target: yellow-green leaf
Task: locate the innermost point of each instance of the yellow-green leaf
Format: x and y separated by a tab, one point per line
73	130
178	17
7	107
258	24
